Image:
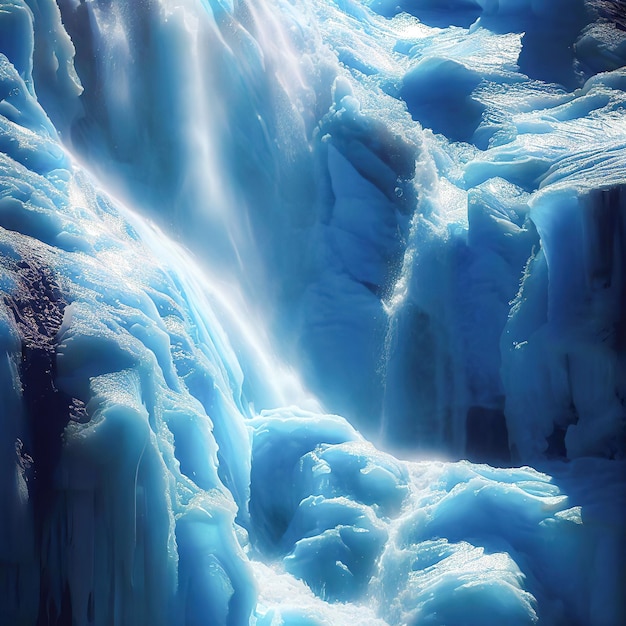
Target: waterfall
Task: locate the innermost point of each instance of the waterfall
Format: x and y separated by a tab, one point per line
289	292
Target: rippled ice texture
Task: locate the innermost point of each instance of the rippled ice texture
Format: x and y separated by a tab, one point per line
221	223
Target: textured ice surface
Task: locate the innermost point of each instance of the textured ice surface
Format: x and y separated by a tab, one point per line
418	206
314	183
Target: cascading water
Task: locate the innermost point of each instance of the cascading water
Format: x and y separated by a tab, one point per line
404	212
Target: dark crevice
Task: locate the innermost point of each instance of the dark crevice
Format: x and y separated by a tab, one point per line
37	306
556	443
433	13
487	436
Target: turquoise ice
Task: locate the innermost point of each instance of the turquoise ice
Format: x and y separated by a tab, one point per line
312	312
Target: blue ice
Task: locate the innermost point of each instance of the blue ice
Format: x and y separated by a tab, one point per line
312	313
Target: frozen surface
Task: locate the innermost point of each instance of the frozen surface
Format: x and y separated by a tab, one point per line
223	224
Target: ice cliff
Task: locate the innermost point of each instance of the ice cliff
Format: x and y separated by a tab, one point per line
223	224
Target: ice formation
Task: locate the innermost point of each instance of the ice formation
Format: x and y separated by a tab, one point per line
223	224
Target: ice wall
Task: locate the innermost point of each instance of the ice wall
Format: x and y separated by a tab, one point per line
119	493
385	258
434	232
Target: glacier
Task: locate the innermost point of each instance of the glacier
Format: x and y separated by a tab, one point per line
313	313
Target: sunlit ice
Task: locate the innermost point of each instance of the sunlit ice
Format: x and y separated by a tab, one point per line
312	313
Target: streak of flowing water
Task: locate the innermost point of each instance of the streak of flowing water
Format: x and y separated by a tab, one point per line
229	324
